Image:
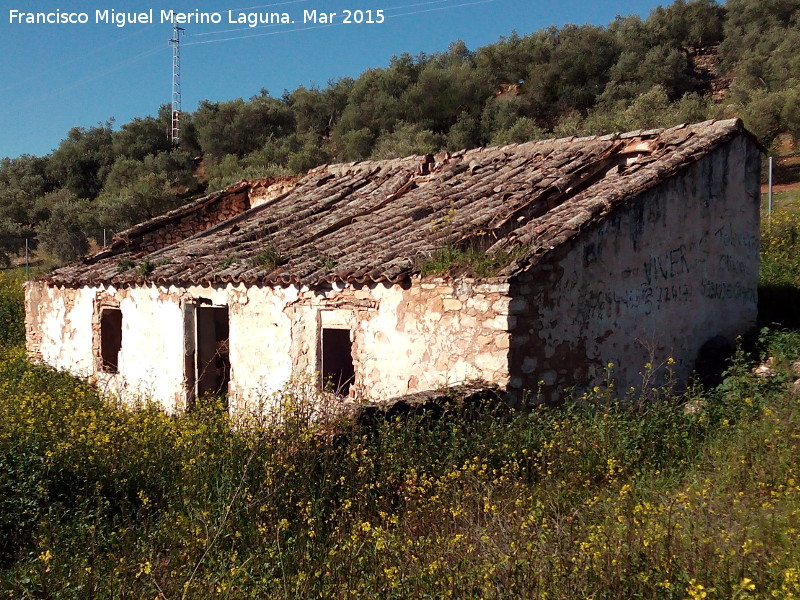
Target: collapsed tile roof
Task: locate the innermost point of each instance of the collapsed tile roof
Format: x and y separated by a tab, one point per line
379	220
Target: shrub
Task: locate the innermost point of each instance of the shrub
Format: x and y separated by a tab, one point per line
12	310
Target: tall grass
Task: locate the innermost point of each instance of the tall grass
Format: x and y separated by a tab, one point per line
779	293
104	501
692	497
780	245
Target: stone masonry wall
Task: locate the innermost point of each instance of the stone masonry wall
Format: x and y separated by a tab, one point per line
421	336
656	280
433	334
203	217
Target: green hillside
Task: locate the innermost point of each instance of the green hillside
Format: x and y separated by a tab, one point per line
687	62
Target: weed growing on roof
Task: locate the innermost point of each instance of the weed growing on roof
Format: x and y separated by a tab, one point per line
468	257
228	261
269	258
470	261
327	262
146	267
124	265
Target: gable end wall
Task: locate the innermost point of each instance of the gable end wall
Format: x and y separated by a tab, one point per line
656	280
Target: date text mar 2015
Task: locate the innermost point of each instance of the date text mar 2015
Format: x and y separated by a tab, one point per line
345	17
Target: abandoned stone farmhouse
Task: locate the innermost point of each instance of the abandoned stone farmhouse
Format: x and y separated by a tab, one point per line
527	266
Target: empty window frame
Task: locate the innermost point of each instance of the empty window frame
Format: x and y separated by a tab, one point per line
336	358
212	359
110	338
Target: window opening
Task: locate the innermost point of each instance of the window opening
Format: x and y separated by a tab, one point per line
110	338
337	368
212	359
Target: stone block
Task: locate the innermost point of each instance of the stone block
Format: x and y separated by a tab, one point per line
462	289
468	321
451	304
499	323
491	288
479	303
489	361
529	365
500	307
502	341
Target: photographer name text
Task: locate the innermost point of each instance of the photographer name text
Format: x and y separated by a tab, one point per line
251	19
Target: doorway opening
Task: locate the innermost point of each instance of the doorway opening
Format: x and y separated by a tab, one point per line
336	366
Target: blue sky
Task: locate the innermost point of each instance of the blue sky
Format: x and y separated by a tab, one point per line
57	76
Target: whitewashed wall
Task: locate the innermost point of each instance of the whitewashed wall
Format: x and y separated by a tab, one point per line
424	336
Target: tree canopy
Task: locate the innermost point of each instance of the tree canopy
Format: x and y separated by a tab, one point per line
572	80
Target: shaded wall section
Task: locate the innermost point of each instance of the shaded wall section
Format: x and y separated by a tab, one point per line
663	274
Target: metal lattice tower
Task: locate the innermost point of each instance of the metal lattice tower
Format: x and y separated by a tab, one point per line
175	42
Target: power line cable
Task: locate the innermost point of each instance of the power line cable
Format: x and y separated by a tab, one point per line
297	29
221	31
52	67
90	77
416	4
268	5
417	12
243	37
